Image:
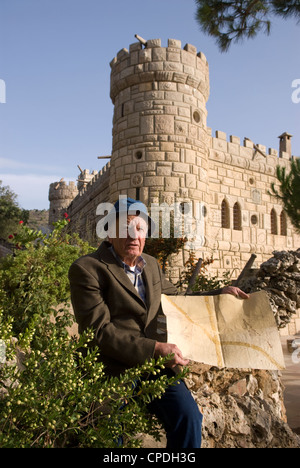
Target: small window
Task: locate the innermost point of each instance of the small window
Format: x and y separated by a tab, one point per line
254	219
225	214
283	224
274	229
139	155
196	116
237	217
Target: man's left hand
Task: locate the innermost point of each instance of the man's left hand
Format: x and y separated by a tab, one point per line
237	292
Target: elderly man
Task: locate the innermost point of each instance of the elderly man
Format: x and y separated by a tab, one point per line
117	292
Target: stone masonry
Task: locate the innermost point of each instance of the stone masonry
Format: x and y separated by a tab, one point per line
163	151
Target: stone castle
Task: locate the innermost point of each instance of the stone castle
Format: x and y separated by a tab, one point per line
163	151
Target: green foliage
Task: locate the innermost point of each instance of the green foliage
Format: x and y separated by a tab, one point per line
289	191
235	20
36	278
53	387
163	247
10	213
205	281
62	397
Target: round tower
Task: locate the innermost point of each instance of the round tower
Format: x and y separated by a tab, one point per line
61	195
160	151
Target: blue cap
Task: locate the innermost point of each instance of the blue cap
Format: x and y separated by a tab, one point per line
134	208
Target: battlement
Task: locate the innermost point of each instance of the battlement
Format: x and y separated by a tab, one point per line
62	190
91	190
153	63
248	155
92	179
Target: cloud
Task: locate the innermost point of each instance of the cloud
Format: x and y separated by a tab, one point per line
32	189
12	164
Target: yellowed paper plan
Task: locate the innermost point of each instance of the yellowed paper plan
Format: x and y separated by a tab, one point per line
225	331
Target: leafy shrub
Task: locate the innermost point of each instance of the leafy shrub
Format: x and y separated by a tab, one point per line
205	281
35	279
53	387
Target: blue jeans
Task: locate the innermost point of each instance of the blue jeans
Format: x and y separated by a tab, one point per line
180	416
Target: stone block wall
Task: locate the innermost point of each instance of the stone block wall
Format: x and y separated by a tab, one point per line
159	125
82	210
163	151
241	177
92	189
61	196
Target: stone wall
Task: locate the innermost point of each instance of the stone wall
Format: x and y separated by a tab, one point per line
92	189
241	409
163	151
61	196
241	176
159	125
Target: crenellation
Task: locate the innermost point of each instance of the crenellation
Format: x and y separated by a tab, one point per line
153	43
190	48
122	54
135	47
174	43
273	152
235	140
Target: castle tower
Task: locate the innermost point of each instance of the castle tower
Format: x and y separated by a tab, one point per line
60	196
160	151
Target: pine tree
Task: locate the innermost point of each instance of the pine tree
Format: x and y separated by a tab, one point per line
229	21
289	191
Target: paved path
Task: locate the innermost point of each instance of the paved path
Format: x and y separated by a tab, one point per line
291	381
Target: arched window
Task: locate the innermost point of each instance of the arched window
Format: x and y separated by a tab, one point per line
237	217
274	229
283	224
225	214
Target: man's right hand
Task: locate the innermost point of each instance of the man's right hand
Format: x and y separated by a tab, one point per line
164	349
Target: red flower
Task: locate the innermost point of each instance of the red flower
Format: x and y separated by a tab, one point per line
10	236
66	215
21	222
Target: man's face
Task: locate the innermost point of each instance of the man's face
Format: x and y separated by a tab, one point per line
130	238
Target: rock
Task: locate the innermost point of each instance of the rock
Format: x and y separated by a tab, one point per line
280	278
239	387
241	408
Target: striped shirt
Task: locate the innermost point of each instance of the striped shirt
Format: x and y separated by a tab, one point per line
134	273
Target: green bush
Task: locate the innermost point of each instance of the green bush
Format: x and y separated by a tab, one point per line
205	280
53	387
35	279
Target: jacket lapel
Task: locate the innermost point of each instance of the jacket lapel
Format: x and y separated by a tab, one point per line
147	277
106	256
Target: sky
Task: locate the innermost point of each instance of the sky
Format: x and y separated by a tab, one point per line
55	109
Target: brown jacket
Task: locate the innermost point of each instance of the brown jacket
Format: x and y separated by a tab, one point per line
103	298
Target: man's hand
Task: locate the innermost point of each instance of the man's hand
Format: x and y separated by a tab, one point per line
235	292
163	349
